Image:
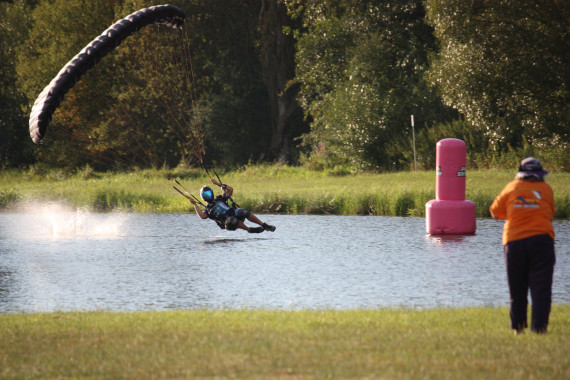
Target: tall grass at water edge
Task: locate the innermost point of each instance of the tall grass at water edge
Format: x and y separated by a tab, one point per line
261	189
471	343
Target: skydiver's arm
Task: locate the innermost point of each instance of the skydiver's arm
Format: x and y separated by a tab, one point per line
198	210
227	188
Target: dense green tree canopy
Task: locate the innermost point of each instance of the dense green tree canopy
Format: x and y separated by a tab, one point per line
60	29
506	67
15	147
361	66
263	80
122	111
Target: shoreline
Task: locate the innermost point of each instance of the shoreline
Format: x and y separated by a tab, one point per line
260	189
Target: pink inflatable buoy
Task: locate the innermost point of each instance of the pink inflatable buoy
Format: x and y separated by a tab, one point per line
450	213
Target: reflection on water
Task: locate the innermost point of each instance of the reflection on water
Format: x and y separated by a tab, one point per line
61	260
445	239
222	241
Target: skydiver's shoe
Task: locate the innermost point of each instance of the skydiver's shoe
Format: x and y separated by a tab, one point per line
268	227
256	230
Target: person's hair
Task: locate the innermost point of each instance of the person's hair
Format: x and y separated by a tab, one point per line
530	177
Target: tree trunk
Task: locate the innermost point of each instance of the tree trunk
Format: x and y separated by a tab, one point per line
278	61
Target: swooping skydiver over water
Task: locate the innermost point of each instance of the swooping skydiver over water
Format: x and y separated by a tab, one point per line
227	217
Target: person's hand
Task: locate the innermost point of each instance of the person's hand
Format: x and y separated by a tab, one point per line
215	182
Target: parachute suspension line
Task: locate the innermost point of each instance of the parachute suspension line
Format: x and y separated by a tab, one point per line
208	172
184	57
168	88
234	204
194	136
160	78
187	51
180	132
149	149
182	60
191	78
193	94
187	193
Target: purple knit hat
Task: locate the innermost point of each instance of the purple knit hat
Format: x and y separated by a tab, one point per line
531	167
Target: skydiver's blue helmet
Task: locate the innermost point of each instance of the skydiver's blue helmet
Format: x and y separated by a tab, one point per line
207	194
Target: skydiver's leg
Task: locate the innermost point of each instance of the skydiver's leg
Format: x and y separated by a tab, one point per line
265	226
254	219
251	230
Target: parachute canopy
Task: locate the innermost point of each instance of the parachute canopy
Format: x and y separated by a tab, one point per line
52	95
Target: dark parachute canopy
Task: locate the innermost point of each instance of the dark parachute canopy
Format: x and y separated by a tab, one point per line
51	97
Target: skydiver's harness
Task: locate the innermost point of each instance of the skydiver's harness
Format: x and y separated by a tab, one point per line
225	216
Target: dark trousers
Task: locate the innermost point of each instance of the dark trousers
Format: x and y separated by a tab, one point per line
530	264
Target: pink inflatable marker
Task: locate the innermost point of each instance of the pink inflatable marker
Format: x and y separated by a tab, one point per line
450	213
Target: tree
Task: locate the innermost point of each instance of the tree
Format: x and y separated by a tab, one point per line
120	111
361	67
233	103
506	67
59	30
278	63
241	98
15	145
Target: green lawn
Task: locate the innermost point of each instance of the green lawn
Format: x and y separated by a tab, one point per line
387	343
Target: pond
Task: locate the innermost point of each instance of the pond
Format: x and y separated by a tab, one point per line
56	260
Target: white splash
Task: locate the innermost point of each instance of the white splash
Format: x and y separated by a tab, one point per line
60	221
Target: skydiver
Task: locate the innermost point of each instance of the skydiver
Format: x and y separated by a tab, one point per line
227	217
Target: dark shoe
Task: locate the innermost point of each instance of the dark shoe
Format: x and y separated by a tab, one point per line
267	227
256	230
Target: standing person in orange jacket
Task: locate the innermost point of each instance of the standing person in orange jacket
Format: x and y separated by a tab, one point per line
527	204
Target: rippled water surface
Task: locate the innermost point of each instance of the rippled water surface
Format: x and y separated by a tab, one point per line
55	260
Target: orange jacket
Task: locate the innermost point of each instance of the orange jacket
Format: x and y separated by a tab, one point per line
528	208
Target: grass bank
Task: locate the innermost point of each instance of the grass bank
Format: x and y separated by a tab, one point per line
262	189
386	343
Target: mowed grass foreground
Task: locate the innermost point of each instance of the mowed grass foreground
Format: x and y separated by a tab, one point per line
261	189
385	343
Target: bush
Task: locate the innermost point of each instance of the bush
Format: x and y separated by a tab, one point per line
106	201
8	198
